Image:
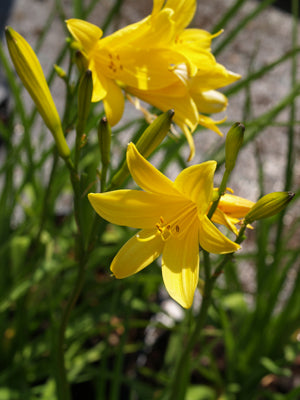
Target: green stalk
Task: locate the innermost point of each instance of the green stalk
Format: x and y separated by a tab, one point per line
221	191
289	171
256	127
241	25
63	389
178	389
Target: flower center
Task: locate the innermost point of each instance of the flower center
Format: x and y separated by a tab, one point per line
166	230
114	62
178	225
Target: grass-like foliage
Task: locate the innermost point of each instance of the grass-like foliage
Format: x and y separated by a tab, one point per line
69	328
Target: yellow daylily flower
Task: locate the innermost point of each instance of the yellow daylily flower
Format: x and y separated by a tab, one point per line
173	222
231	210
158	61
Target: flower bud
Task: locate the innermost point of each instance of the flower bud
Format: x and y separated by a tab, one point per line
152	137
81	61
85	91
147	143
268	205
31	74
104	139
233	143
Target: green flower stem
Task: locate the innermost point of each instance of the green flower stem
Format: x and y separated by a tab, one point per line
290	156
79	133
221	191
103	177
178	388
63	388
45	207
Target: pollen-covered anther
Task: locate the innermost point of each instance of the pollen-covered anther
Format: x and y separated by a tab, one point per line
167	230
114	63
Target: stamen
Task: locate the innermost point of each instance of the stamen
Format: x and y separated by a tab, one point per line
177	226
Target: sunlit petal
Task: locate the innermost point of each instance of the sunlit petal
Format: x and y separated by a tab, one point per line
157	6
184	11
219	217
210	101
136	254
196	183
234	206
113	102
210	123
85	33
195	39
147	176
213	76
174	97
99	83
180	267
212	240
135	208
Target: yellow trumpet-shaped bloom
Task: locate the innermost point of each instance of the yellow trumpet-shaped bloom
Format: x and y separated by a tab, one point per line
31	74
173	222
158	61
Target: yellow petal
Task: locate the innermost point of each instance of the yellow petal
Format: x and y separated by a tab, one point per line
113	103
196	183
190	140
201	59
210	102
161	30
212	75
99	82
180	267
195	39
234	206
212	240
147	176
135	208
85	33
157	6
210	123
219	217
184	11
181	102
136	254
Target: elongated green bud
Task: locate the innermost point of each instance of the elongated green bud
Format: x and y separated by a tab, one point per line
85	91
31	74
268	205
104	139
233	143
152	137
147	143
81	61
